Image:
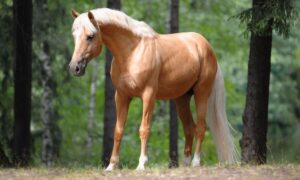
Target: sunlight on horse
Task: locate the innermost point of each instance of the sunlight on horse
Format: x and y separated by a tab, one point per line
153	66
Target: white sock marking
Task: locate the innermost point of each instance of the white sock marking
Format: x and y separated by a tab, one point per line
196	160
142	161
110	167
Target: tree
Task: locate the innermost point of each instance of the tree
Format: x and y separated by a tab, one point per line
109	101
92	108
91	115
51	135
6	104
264	16
49	147
173	146
22	20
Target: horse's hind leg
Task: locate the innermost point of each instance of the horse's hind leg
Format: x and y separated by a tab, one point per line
184	112
202	92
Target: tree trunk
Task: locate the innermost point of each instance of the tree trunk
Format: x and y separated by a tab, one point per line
51	134
5	124
5	109
91	115
173	146
92	105
48	151
109	104
22	14
255	118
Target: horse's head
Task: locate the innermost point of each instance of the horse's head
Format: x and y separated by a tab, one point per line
88	41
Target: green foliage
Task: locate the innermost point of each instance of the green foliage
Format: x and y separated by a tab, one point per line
210	18
275	14
284	116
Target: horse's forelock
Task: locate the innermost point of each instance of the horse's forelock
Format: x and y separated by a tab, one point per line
83	21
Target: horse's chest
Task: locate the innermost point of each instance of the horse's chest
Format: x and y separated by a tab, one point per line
133	76
128	83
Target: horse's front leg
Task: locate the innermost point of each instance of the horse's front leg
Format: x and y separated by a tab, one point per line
122	104
148	99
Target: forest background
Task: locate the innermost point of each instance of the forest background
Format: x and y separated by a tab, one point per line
78	143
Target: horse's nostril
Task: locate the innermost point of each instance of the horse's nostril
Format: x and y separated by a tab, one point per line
77	69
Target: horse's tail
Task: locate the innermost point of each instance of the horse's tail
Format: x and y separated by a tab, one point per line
218	123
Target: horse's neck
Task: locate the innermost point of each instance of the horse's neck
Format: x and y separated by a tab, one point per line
119	41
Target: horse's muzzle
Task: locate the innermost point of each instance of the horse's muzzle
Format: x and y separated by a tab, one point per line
77	68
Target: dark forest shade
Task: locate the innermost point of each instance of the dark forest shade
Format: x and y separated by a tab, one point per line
173	142
22	17
6	83
109	102
255	118
4	161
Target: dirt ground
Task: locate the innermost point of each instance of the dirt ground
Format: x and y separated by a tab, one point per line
277	172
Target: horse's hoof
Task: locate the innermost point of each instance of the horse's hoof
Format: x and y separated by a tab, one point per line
187	160
196	161
140	168
110	167
195	164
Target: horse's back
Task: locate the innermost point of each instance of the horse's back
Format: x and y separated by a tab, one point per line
193	44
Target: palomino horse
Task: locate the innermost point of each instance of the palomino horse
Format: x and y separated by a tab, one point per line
155	66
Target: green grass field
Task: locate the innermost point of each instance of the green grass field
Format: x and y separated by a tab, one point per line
284	171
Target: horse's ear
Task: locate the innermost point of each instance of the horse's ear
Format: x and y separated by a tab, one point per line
91	16
75	13
92	19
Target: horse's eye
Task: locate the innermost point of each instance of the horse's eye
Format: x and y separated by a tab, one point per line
90	37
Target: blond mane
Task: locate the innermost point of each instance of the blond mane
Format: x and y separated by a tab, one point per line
118	18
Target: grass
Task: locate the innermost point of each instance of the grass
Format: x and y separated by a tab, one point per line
284	171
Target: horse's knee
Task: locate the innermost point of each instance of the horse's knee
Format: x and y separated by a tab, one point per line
144	132
118	133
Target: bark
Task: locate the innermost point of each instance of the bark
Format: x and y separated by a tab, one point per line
91	115
109	104
5	112
174	16
173	143
48	148
51	134
255	118
22	19
173	146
